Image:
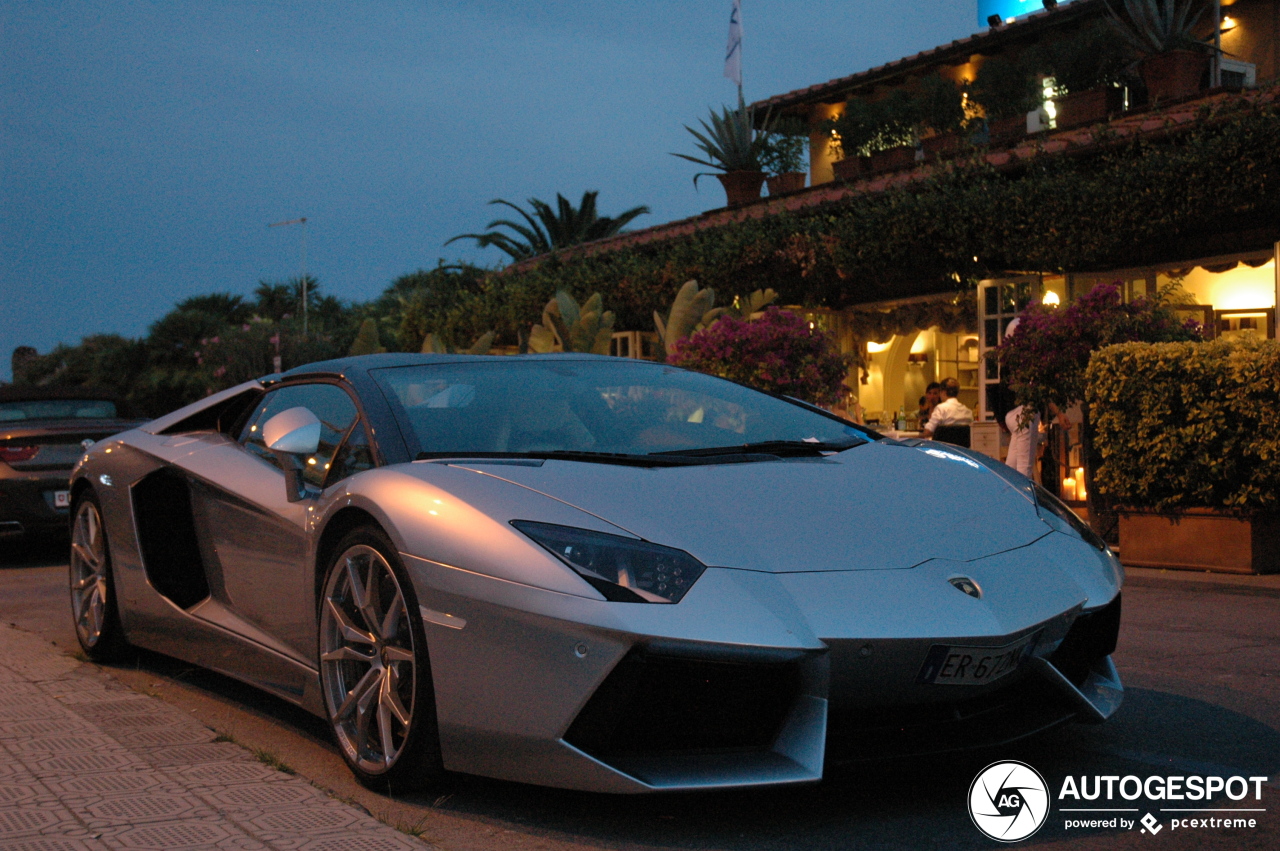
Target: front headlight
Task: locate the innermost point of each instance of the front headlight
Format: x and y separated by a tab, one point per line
624	570
1059	514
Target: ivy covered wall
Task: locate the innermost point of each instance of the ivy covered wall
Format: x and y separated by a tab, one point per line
1111	205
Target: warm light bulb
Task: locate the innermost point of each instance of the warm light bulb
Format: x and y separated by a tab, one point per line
1051	299
1228	23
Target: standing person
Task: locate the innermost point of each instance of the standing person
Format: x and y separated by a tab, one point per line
1023	438
950	411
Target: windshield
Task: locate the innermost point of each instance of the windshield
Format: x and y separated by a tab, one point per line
57	409
520	405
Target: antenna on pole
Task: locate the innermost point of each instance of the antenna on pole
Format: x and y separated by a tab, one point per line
301	221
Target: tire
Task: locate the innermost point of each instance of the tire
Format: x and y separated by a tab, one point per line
95	610
374	671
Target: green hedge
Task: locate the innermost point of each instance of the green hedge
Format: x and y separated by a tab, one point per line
1181	425
1134	203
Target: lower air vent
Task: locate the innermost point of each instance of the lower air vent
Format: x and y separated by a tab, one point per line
1091	637
652	705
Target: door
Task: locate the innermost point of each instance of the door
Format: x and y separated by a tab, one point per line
257	544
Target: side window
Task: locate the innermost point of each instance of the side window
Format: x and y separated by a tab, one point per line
331	405
355	456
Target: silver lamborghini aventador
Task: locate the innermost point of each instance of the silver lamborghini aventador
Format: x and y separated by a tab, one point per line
592	573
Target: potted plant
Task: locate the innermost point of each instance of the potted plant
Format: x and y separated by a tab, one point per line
1190	453
852	132
875	136
731	144
940	109
782	155
1087	69
895	144
1006	91
1174	62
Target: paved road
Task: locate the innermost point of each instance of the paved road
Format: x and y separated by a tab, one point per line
1201	665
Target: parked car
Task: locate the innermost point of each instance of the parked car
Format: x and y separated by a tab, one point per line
43	433
593	573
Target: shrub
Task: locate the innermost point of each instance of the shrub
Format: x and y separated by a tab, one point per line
777	353
1180	425
237	354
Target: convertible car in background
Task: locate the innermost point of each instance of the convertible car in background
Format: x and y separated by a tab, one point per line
43	433
592	573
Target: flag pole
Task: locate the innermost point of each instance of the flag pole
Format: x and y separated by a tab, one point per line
733	49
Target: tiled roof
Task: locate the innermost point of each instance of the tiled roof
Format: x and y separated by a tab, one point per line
963	48
1080	140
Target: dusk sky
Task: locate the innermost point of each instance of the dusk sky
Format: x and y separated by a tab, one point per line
145	147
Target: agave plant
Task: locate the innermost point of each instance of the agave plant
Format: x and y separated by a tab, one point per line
549	229
1159	26
730	141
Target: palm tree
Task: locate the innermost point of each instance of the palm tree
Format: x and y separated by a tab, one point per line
547	230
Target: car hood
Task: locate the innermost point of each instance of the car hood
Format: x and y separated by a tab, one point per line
873	507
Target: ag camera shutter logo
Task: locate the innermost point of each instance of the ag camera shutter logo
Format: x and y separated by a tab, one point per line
1008	801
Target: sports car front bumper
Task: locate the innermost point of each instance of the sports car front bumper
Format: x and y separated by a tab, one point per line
757	678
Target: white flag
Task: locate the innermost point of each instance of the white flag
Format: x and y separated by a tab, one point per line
733	50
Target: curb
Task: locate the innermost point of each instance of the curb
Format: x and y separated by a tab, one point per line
1189	580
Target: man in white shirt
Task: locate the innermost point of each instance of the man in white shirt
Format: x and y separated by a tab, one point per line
950	411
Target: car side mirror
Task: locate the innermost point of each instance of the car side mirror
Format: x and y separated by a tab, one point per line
289	435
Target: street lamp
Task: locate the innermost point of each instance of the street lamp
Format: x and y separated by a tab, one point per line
302	221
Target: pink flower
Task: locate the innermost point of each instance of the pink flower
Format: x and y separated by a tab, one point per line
778	353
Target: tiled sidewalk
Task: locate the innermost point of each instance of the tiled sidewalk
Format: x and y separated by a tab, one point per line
88	763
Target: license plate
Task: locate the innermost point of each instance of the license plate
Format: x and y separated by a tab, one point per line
954	665
62	499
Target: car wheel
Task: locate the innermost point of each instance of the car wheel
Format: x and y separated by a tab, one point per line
374	670
93	594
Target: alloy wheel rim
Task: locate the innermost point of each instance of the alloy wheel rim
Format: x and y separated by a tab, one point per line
368	668
89	587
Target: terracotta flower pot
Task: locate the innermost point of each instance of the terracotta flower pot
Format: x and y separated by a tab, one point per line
1089	107
741	187
850	168
1173	75
791	181
1199	539
893	159
943	146
1005	130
